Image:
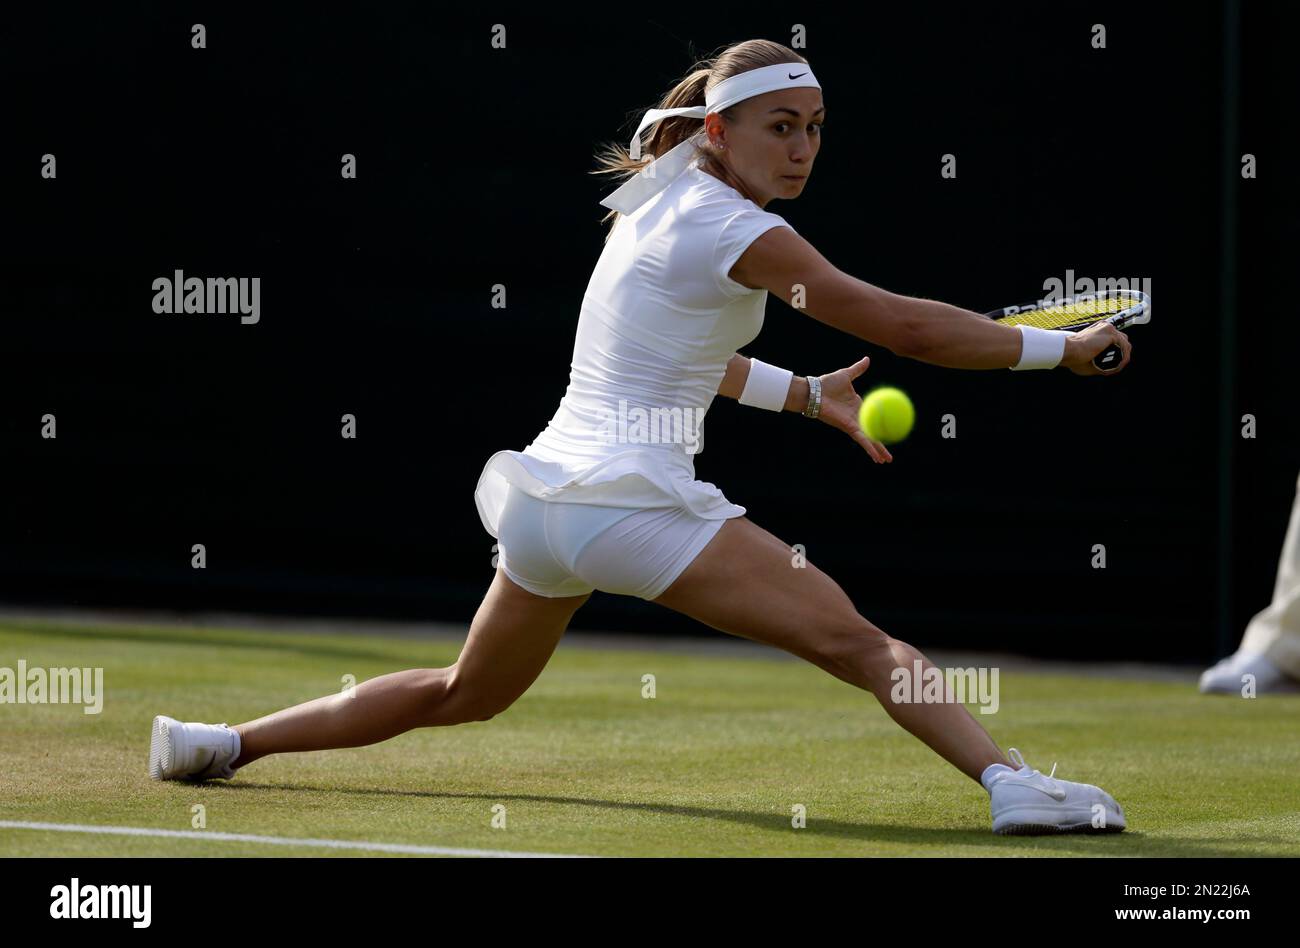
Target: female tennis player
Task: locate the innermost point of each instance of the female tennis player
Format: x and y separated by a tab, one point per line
591	504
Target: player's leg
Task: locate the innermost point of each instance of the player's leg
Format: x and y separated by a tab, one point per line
743	583
510	641
1270	650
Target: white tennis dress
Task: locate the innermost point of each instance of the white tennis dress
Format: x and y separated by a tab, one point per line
658	324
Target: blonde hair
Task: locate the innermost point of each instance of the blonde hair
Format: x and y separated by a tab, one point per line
614	159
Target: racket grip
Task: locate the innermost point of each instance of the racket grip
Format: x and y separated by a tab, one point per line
1108	358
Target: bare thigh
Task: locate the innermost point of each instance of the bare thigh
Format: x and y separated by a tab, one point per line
512	637
745	582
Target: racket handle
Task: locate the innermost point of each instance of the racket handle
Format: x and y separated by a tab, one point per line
1108	358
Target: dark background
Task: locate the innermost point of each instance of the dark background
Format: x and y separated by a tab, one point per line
473	170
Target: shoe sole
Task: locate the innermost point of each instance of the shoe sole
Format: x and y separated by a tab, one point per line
162	748
1036	823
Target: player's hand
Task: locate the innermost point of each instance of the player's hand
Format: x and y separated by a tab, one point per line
840	404
1082	347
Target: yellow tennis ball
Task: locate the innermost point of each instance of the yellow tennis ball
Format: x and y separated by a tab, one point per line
886	415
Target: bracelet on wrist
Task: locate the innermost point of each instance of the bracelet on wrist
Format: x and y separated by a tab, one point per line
814	397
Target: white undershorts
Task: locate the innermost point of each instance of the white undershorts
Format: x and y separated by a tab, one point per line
555	549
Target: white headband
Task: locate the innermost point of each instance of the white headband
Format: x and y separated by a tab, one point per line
661	172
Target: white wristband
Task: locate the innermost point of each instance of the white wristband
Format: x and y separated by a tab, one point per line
1040	348
767	386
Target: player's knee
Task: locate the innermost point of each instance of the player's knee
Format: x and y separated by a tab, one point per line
859	648
466	702
486	708
462	712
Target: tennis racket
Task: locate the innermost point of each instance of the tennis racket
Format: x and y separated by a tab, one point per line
1120	308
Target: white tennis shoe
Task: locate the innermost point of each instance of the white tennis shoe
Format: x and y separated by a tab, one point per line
191	751
1025	802
1227	676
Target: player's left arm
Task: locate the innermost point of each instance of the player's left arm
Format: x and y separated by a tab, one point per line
840	401
733	384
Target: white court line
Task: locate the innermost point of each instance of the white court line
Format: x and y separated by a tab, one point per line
281	840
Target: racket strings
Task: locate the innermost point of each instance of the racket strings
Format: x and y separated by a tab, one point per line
1073	313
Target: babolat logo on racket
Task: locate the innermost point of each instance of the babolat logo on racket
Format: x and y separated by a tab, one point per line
1073	311
1027	307
1102	303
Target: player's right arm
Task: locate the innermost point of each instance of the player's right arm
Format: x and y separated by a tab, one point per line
780	261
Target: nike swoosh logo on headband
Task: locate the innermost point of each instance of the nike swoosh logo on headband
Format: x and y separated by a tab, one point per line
791	76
